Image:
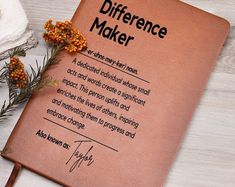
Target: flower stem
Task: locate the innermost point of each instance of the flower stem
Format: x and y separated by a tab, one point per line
20	96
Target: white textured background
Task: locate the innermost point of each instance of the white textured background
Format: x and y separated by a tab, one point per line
207	156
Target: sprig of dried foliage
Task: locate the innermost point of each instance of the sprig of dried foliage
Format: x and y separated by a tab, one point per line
22	84
36	81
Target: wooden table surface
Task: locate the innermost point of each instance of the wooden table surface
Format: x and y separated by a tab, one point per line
207	155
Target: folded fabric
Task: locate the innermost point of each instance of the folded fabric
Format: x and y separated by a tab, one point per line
14	31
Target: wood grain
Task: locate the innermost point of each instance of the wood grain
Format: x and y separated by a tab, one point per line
207	155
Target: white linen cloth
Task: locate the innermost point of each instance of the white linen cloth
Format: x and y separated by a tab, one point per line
14	30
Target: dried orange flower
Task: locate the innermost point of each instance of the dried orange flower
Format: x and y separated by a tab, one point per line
63	33
16	73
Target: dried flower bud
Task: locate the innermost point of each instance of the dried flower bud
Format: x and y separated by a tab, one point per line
17	74
63	33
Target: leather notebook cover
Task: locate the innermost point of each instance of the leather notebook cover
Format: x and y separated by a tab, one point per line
123	105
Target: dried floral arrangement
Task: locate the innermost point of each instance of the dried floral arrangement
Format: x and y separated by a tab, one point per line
22	84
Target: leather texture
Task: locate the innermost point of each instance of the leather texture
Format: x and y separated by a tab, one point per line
177	69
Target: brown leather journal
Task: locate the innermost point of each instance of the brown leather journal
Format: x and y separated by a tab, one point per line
123	105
